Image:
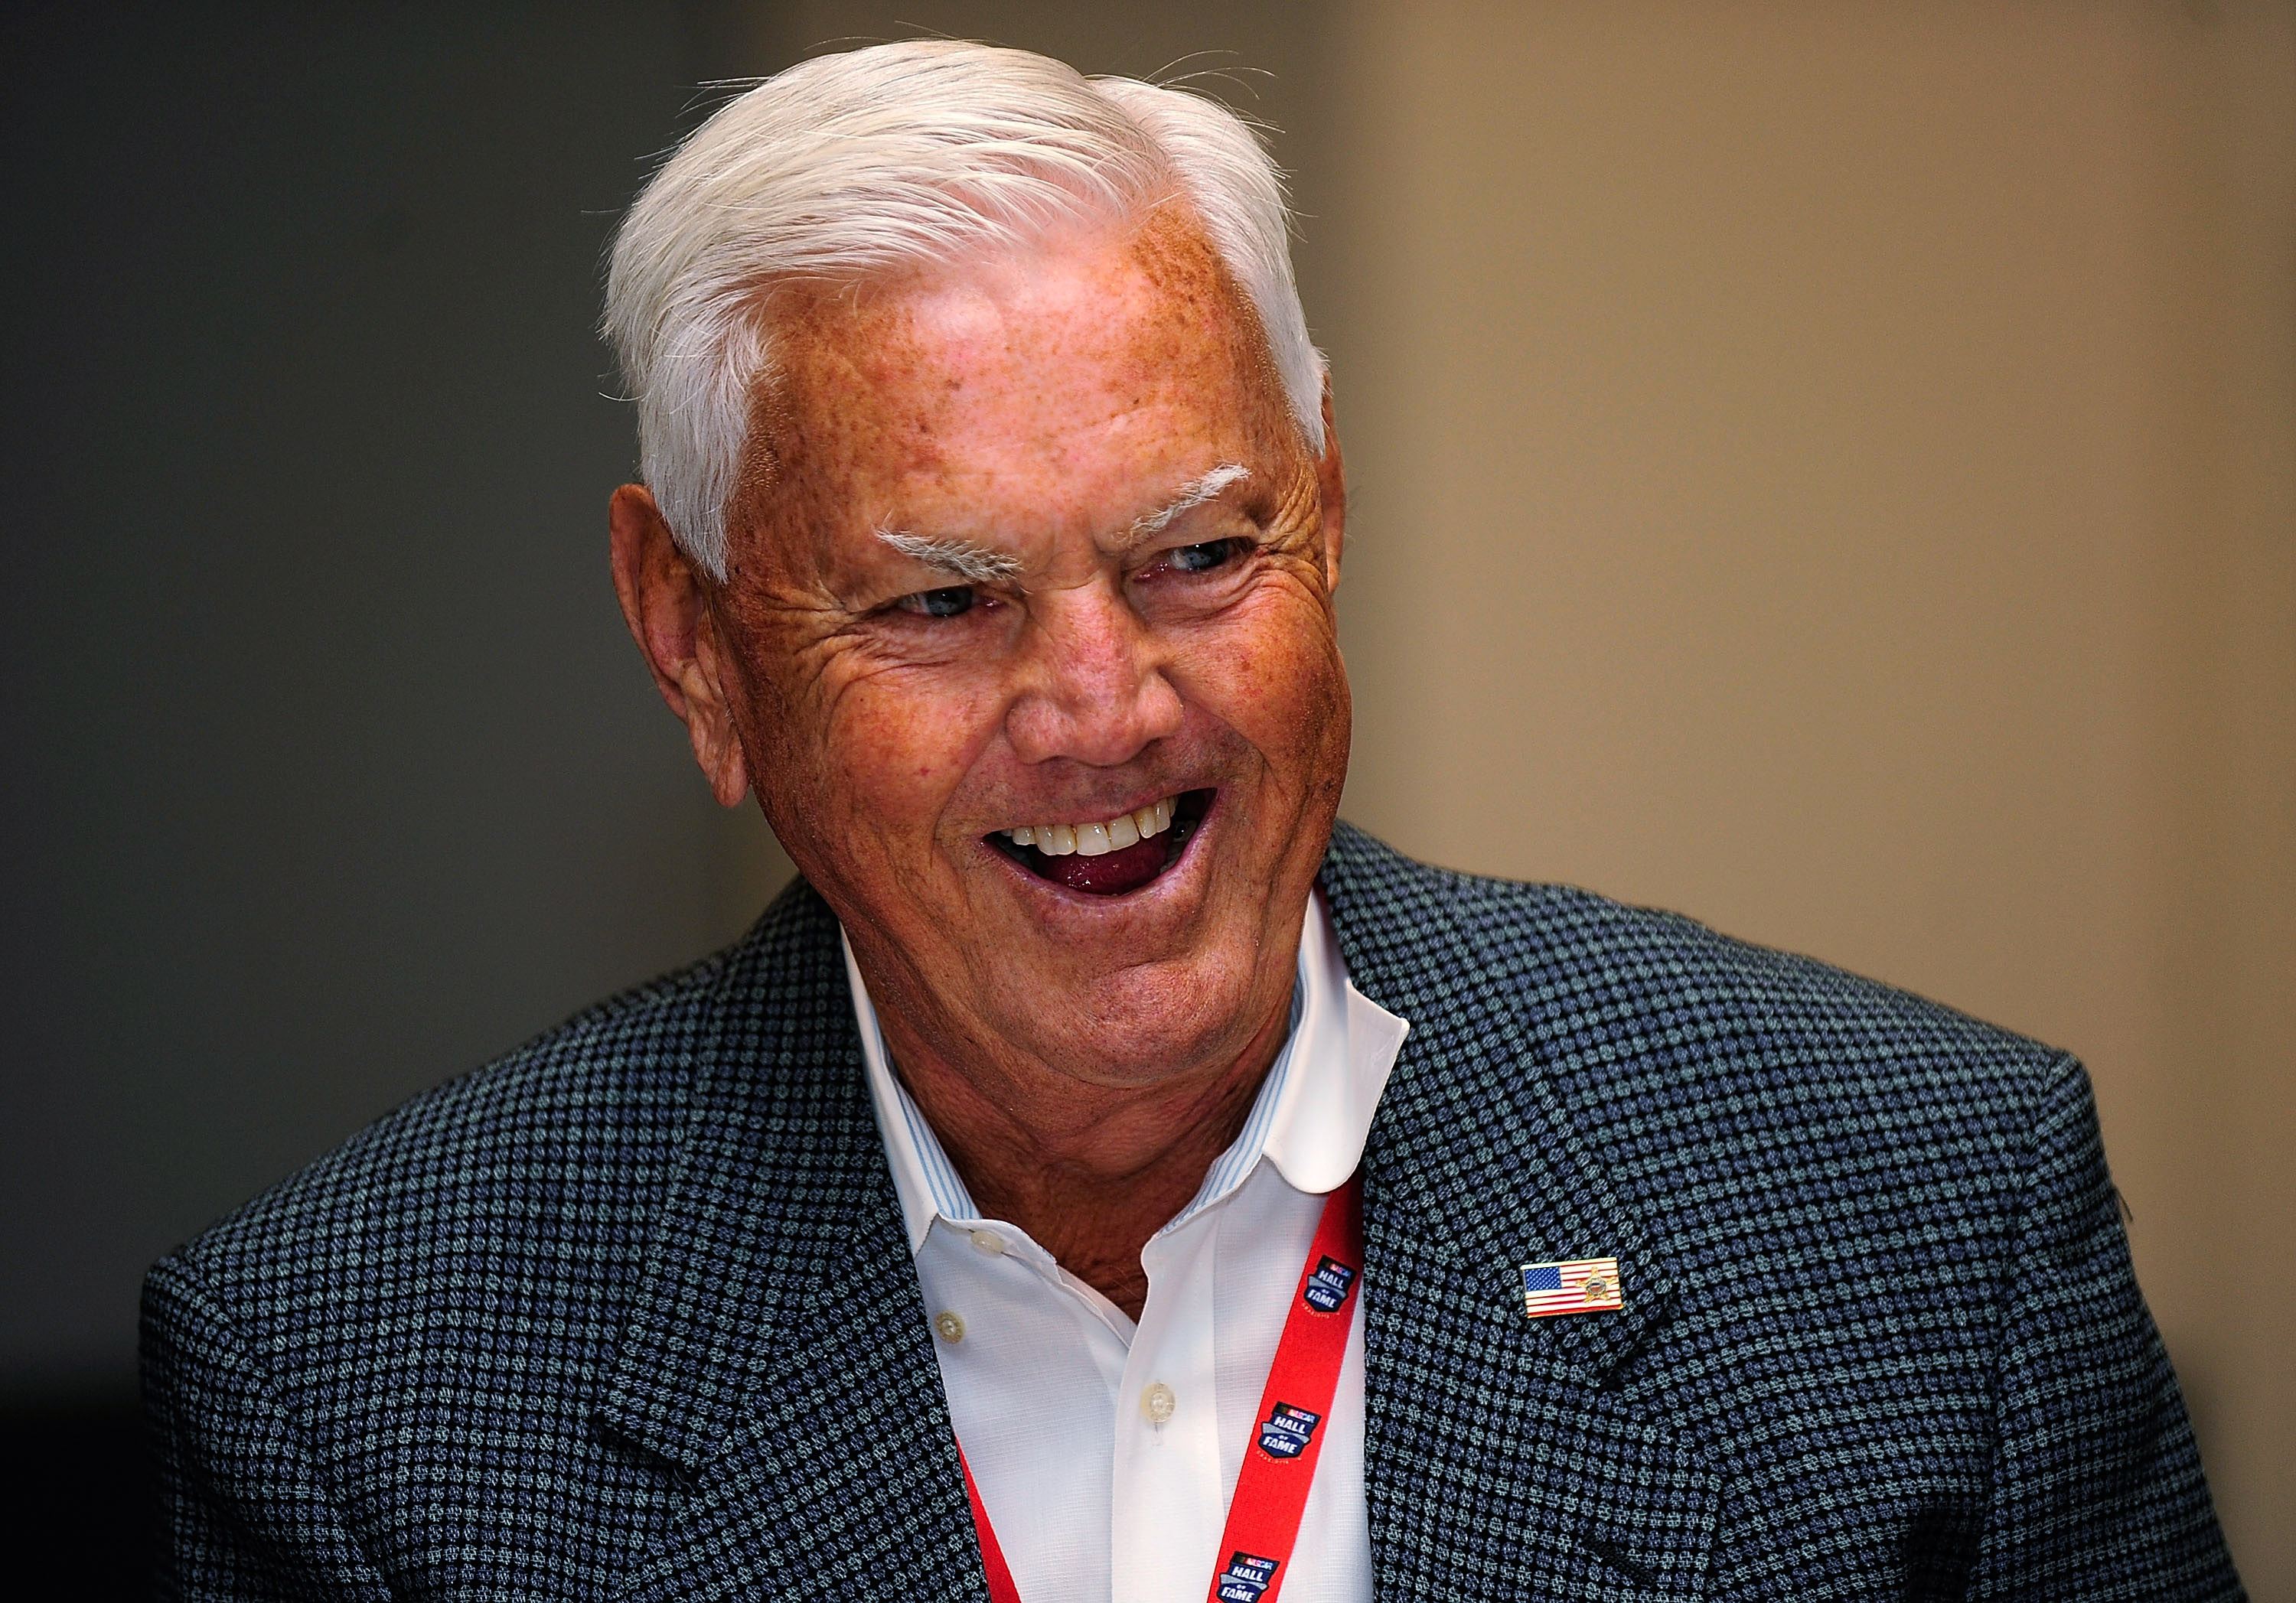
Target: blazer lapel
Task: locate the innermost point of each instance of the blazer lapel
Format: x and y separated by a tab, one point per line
776	1350
1505	1456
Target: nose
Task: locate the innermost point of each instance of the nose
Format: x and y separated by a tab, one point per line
1094	690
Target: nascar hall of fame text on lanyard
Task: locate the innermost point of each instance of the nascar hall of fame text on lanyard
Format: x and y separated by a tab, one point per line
1271	1493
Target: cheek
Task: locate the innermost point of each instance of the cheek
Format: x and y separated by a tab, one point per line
898	744
1271	671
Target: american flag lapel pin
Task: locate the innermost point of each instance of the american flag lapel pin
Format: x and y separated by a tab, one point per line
1575	1285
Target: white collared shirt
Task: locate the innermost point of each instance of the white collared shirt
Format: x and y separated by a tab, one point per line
1051	1387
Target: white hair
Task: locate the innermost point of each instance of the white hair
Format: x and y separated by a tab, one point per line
925	153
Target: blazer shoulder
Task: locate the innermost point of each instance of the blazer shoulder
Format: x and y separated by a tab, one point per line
1670	1043
1595	969
1602	970
574	1105
570	1136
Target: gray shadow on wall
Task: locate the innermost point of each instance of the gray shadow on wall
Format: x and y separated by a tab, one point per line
331	771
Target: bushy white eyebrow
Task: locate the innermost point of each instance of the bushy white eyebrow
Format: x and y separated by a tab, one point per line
980	565
1189	498
961	558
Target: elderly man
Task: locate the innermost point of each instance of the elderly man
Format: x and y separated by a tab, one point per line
1099	1177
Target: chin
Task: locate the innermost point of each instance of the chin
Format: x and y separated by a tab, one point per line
1147	1021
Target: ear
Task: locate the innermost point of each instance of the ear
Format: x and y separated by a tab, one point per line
665	602
1332	483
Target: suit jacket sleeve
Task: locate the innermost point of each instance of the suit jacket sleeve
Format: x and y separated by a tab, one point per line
244	1513
2096	1489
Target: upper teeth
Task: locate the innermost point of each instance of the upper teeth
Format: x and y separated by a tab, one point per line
1091	839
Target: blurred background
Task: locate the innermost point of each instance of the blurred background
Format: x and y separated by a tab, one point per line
1828	468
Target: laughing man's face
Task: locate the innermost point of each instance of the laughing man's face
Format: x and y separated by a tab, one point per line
1038	677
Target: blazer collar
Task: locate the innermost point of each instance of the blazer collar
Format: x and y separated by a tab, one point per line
1472	1144
776	1350
777	1169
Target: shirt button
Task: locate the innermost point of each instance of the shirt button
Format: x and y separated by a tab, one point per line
951	1326
1157	1403
987	1242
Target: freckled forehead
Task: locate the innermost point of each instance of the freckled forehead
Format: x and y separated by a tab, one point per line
1090	355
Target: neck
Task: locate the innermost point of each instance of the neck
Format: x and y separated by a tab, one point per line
1089	1171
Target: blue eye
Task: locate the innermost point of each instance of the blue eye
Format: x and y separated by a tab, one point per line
1204	558
939	603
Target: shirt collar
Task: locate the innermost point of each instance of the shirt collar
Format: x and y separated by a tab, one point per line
1310	1119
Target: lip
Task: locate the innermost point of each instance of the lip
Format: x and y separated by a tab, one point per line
1176	879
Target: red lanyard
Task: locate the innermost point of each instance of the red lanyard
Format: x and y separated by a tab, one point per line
1271	1493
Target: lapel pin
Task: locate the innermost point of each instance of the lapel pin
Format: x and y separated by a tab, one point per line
1576	1286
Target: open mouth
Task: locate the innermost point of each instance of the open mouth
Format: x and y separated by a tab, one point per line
1108	857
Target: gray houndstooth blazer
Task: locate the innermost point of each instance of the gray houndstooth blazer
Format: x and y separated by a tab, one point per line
630	1314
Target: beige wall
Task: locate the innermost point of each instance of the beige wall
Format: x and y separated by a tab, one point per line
1828	468
1831	469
